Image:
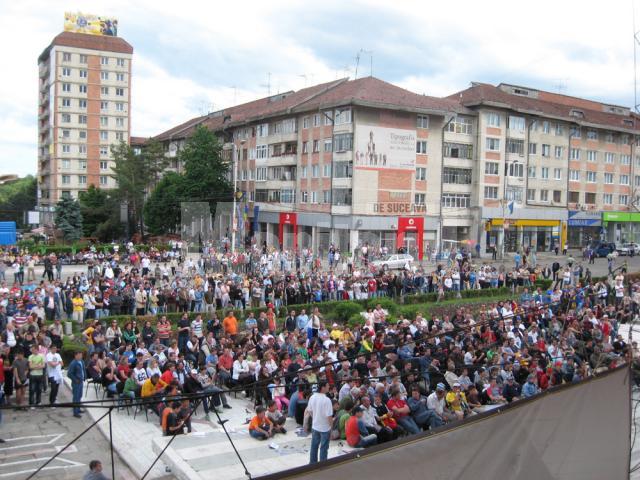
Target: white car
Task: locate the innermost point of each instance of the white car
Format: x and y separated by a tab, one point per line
633	248
393	261
622	249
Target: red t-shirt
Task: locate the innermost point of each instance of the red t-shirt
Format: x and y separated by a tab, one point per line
391	404
167	376
352	431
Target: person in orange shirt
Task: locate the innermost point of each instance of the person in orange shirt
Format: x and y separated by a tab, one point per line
271	317
230	324
261	426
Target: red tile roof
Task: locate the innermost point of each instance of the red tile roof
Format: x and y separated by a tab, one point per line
91	42
547	104
138	140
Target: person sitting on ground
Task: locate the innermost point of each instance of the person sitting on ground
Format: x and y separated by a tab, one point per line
95	471
276	416
423	417
356	431
261	426
457	401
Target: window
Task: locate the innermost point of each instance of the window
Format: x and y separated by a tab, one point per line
304	195
516	123
531	172
623	199
576	132
328	145
326	196
82	119
546	150
544	173
303	173
66	87
419	198
103	165
119	107
120	123
82	164
574	154
326	170
66	57
532	148
516	170
66	163
492	119
531	194
104	90
261	174
461	176
607	199
66	133
315	170
65	118
592	177
515	146
316	146
120	77
66	194
545	127
458	150
328	118
491	168
609	137
592	156
104	75
83	58
625	159
104	121
82	104
559	129
592	135
460	125
316	120
574	197
66	179
82	149
514	194
574	175
104	151
456	200
120	62
544	195
557	196
103	179
624	139
343	169
590	198
104	106
636	180
66	102
82	88
305	124
557	174
421	147
342	116
120	136
559	151
262	151
343	142
66	148
624	179
491	193
305	147
422	121
120	92
493	144
608	178
314	197
82	179
341	196
609	157
287	196
104	135
66	72
104	60
421	173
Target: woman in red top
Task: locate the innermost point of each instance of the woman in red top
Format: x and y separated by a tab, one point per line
164	330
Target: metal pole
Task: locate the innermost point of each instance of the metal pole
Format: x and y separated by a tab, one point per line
234	153
113	465
221	422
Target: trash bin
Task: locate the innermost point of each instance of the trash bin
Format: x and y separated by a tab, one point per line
68	328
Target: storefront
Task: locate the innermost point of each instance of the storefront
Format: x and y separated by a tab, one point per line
541	235
621	227
584	228
410	235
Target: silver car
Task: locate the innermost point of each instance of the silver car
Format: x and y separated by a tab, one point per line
394	261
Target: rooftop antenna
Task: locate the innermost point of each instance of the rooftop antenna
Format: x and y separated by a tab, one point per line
268	84
367	52
304	75
355	77
561	86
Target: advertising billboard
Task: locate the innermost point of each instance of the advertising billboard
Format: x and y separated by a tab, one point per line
91	24
383	148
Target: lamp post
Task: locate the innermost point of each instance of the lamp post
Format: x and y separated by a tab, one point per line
504	204
234	214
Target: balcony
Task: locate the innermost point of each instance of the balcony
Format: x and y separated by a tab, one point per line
284	159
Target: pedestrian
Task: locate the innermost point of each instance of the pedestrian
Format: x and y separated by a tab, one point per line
76	373
54	372
95	471
321	412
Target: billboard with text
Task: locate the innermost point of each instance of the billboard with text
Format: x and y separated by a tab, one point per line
382	148
91	24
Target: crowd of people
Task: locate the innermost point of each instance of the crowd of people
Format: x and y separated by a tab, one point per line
385	378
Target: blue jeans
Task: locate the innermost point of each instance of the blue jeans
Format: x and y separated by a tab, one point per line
257	435
409	424
321	440
76	396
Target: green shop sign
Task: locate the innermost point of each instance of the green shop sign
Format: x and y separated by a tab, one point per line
621	216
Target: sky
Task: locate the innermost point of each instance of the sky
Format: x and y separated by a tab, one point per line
193	57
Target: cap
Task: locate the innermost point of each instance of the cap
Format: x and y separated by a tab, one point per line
440	386
456	384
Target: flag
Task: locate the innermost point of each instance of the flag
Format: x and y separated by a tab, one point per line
511	206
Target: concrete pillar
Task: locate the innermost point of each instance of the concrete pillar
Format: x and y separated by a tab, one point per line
354	236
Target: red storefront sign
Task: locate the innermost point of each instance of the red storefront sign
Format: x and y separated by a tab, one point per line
288	219
411	224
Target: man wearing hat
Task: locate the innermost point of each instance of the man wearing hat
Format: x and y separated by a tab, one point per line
356	431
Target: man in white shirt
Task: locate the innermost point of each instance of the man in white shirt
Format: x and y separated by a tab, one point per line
54	372
321	412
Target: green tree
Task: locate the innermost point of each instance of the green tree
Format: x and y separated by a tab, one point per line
135	174
17	197
68	218
100	214
162	208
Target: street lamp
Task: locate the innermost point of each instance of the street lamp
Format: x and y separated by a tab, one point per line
504	203
234	214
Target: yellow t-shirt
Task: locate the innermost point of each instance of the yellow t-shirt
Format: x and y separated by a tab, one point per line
89	333
451	396
78	304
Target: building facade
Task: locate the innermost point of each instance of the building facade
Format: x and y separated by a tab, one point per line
84	98
364	161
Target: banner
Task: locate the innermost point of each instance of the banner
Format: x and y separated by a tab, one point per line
91	24
381	148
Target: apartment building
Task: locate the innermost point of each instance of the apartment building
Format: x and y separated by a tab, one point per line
84	99
364	161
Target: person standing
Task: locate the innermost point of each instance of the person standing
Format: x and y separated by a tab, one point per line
54	372
36	376
76	373
321	412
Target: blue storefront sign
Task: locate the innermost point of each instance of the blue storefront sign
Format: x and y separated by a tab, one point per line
579	218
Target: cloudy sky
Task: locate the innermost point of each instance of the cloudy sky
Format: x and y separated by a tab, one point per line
191	57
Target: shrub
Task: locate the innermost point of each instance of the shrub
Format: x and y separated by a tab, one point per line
69	348
344	310
386	303
355	320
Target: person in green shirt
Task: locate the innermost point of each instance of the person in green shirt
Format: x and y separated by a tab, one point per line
130	386
36	376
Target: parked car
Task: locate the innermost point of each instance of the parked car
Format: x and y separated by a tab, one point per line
634	248
603	249
622	249
394	261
